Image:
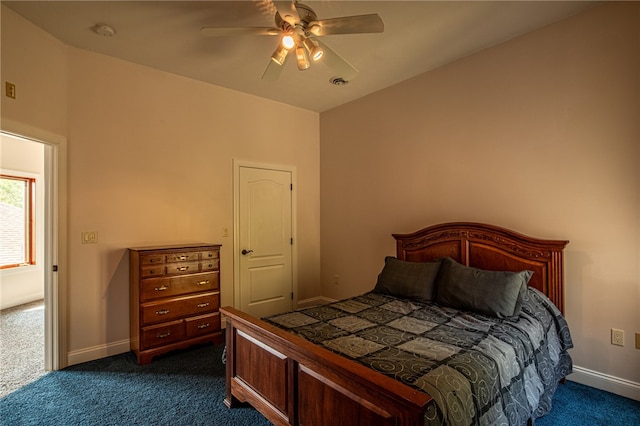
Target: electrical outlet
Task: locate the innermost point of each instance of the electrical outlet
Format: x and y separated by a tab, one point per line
225	232
336	279
617	337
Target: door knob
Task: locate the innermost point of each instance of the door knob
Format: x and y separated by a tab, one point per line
246	252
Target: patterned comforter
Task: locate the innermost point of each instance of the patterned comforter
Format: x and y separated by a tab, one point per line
479	370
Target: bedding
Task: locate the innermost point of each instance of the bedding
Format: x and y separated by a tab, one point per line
479	369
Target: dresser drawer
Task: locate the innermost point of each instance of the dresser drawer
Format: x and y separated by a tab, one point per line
182	268
169	309
209	255
188	256
210	265
162	334
151	259
154	288
203	324
152	271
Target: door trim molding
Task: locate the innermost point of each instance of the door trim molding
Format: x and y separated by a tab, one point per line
55	283
237	165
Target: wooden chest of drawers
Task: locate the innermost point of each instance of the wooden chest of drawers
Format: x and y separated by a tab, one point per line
174	298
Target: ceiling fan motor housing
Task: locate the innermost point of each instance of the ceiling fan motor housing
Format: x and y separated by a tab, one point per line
290	22
305	13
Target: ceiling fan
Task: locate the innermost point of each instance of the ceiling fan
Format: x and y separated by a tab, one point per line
300	30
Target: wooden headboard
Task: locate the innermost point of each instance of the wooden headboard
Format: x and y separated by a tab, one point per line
492	248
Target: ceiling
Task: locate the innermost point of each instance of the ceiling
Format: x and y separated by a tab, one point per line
418	36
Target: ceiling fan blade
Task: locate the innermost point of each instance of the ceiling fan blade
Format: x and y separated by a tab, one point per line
273	70
235	31
287	11
330	57
347	25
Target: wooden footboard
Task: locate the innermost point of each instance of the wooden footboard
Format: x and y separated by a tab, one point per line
293	382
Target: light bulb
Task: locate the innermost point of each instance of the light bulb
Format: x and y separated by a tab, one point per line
317	54
288	42
314	49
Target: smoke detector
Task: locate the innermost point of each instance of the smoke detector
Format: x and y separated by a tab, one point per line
104	30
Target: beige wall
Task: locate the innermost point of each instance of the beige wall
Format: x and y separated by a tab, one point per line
150	159
539	134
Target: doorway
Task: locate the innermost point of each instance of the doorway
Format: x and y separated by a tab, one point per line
53	241
22	340
264	239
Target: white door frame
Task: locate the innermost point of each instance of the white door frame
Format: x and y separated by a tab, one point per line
55	251
237	164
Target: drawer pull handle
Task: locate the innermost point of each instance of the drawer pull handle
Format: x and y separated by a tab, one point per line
163	335
205	325
210	265
162	312
205	282
202	305
152	271
182	268
162	288
183	257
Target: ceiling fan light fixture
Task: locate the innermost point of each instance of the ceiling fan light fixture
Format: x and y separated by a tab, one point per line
302	58
314	49
297	27
280	54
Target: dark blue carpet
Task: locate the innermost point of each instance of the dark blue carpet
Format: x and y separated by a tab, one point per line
579	405
187	388
184	388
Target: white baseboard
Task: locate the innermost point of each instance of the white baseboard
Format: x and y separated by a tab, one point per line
97	352
22	300
605	382
306	303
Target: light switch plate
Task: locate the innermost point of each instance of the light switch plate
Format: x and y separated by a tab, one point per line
89	237
10	90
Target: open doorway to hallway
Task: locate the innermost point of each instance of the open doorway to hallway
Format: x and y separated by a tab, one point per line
22	269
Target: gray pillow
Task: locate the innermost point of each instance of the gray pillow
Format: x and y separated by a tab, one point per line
413	280
494	293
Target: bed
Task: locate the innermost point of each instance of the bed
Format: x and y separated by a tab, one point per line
490	358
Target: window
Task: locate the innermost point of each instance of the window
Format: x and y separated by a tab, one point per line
17	224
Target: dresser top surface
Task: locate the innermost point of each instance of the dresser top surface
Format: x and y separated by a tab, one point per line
188	246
